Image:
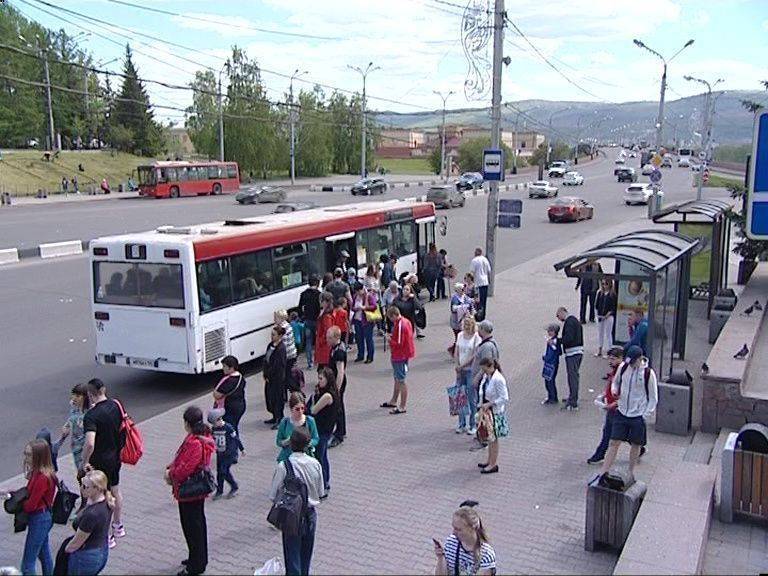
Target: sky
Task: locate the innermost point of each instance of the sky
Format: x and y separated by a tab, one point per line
419	46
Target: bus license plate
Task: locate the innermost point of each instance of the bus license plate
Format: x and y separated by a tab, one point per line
142	362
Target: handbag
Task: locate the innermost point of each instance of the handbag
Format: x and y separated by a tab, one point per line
485	427
63	503
199	484
457	399
220	402
373	316
548	371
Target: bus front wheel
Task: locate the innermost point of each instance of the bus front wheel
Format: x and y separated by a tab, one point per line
174	192
216	189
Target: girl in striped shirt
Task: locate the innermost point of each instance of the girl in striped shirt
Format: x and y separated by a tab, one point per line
467	550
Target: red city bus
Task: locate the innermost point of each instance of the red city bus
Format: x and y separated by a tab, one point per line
174	179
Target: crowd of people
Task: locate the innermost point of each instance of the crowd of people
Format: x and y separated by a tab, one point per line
344	312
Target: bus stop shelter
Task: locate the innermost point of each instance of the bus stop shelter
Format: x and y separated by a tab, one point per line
706	220
650	270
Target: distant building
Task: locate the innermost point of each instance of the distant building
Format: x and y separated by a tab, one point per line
401	143
179	143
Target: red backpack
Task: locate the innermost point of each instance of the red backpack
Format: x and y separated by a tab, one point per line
133	446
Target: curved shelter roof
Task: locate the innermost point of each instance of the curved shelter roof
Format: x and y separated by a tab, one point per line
652	249
693	211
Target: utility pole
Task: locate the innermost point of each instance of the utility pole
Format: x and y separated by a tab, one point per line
52	132
364	73
442	148
292	116
87	106
706	130
221	116
493	197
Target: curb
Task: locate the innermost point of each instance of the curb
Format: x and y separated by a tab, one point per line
9	256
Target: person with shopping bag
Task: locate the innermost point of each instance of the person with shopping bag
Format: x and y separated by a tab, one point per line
492	415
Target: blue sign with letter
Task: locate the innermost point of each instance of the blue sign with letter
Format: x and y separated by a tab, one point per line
510	206
757	195
493	164
509	220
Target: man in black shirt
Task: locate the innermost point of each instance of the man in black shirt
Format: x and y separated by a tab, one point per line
338	364
309	307
338	287
103	443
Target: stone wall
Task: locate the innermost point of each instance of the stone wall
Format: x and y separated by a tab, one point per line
725	407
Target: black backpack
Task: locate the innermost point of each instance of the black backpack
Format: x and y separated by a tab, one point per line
291	505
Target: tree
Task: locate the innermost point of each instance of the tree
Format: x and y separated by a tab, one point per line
203	121
754	106
435	158
470	158
560	151
313	135
341	134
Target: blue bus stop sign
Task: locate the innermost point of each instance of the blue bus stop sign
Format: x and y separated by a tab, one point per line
493	164
757	195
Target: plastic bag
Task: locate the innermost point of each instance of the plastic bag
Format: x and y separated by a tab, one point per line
272	567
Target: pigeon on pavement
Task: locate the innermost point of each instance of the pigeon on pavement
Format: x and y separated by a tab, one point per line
748	311
741	354
757	305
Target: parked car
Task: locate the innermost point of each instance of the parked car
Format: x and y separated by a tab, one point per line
445	196
573	179
626	175
619	159
648	169
570	209
256	194
470	181
684	162
541	189
369	186
639	193
293	207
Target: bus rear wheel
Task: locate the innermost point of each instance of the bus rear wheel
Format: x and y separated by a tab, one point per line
174	192
216	189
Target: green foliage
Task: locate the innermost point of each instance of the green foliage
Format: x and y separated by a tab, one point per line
745	247
754	106
435	159
203	120
313	135
560	151
122	138
470	157
737	153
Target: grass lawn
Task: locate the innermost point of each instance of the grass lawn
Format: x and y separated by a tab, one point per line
405	165
717	181
22	172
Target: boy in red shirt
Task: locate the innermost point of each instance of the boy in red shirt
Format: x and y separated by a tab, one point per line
326	319
608	402
402	349
341	318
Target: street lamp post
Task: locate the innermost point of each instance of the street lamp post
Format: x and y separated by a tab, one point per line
44	57
364	73
442	147
705	130
292	116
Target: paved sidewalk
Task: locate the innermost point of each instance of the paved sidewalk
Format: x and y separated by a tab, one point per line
397	479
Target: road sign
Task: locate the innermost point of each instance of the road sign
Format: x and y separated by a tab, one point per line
656	160
757	195
493	164
509	220
655	176
510	206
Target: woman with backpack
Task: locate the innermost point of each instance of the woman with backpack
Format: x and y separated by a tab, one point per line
230	392
186	474
492	411
324	407
88	549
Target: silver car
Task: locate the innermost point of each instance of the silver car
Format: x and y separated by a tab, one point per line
445	196
256	194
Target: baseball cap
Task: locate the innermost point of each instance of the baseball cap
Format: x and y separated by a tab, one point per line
634	353
215	415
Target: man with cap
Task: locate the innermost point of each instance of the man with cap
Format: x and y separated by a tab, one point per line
635	388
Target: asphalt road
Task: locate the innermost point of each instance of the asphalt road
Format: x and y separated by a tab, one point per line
45	310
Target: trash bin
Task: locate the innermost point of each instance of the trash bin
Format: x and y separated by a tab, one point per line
610	514
717	319
744	469
726	299
673	412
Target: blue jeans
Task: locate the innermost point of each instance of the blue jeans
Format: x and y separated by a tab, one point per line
36	545
364	339
551	386
88	562
224	472
321	453
602	448
310	327
465	380
297	550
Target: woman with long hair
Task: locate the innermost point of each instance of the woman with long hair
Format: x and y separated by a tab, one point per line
324	407
493	410
465	347
193	456
467	550
297	419
89	548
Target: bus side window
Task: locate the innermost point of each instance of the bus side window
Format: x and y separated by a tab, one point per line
403	238
379	242
171	174
231	171
183	174
162	175
291	266
213	284
317	258
252	275
213	172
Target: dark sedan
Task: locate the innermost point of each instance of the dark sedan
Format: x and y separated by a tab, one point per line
470	181
293	207
626	175
570	209
369	186
261	194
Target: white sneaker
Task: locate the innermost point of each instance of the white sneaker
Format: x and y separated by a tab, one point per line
459	429
471	431
112	542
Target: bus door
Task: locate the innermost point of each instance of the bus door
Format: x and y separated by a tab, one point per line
426	236
336	246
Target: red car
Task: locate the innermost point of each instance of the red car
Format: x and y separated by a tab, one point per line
570	209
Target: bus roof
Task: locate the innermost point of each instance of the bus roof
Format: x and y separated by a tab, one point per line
172	163
219	239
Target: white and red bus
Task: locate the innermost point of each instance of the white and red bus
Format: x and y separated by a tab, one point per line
179	299
174	179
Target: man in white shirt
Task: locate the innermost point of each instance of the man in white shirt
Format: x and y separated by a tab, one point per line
481	269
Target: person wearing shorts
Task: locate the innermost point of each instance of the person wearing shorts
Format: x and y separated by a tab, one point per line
402	349
636	389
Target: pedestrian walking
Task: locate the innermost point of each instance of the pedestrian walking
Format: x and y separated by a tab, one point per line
461	307
551	361
105	186
442	275
402	349
75	185
309	310
296	420
324	408
605	304
467	341
298	548
432	264
326	319
297	325
365	310
291	353
228	445
338	287
229	393
587	286
638	329
193	456
64	185
494	397
607	402
572	342
103	443
341	319
467	550
275	374
481	270
636	388
471	291
389	270
41	490
73	427
337	363
88	550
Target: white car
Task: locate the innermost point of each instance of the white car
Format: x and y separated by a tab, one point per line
639	194
648	169
557	169
684	162
620	159
573	179
541	189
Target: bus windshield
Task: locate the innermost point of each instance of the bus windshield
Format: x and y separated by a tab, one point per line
147	175
131	284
